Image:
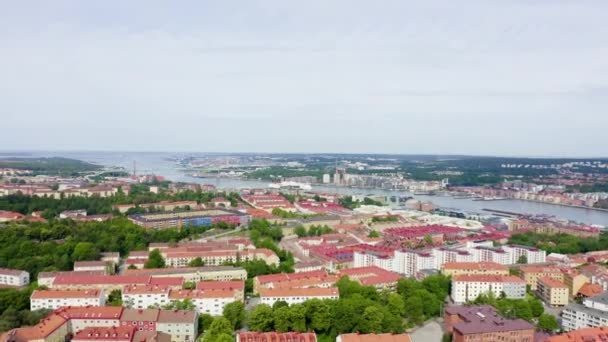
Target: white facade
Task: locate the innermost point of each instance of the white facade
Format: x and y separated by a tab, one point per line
592	313
533	255
57	299
14	277
464	291
144	300
297	296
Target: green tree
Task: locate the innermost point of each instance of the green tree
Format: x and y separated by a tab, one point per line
318	314
522	259
189	285
371	321
235	313
279	304
155	260
282	319
220	326
261	318
300	231
114	298
204	322
415	310
547	323
373	234
224	338
297	316
196	262
395	304
536	306
85	251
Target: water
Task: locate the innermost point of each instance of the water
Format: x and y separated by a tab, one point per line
157	163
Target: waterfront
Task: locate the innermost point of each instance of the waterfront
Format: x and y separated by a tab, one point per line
158	163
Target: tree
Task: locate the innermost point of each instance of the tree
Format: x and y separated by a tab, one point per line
300	231
415	310
318	314
547	323
537	307
114	298
279	304
189	285
446	338
428	240
261	318
85	251
132	267
235	313
196	262
185	304
282	319
220	326
155	260
204	322
395	304
373	234
522	259
224	338
297	316
371	321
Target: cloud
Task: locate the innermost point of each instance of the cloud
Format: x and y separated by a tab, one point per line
340	76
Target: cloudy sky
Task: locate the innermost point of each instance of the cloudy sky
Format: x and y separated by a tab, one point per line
491	77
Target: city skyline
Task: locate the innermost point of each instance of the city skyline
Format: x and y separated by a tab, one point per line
473	78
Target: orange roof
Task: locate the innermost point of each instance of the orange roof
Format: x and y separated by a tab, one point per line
475	266
88	312
540	269
300	292
590	290
582	335
76	293
105	334
550	282
371	275
375	338
134	289
488	278
41	330
221	285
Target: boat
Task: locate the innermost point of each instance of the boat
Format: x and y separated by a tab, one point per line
290	185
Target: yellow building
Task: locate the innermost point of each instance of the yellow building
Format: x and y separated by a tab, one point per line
531	274
553	292
574	280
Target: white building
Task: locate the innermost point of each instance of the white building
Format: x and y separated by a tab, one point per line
143	297
54	299
592	313
493	254
182	325
326	178
409	262
445	255
102	266
468	287
297	295
15	278
533	255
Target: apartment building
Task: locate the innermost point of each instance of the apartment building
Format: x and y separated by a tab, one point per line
531	274
592	313
182	259
54	299
294	280
119	334
179	219
16	278
468	287
356	337
297	295
552	292
275	336
372	276
83	266
482	323
474	268
193	274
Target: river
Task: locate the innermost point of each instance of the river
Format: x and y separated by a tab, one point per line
158	163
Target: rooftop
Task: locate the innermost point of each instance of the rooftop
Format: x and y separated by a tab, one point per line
299	292
582	335
475	266
105	334
375	338
76	293
552	283
488	278
484	319
276	337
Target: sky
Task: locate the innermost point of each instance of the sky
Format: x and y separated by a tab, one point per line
484	77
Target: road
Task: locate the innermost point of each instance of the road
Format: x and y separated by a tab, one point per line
431	331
